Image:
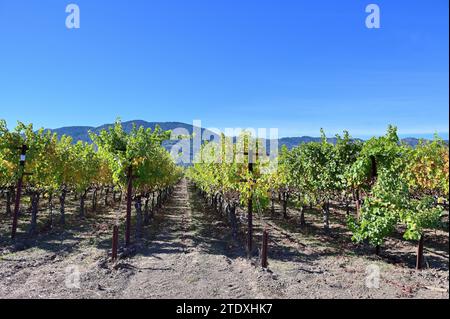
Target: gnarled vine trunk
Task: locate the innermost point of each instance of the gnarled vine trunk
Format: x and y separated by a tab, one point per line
358	204
35	196
159	201
153	204
302	216
272	200
94	200
50	209
62	208
9	200
285	204
106	196
146	210
326	215
82	205
138	206
233	220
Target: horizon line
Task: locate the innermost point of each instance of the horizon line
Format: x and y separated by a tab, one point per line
416	135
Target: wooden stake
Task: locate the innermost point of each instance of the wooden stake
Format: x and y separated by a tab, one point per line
265	241
129	194
115	242
419	261
23	153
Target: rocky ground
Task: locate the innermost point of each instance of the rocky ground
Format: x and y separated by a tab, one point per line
187	252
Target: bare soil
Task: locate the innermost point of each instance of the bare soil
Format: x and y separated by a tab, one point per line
187	252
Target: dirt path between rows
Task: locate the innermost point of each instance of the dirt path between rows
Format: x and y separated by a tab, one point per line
188	258
185	255
187	252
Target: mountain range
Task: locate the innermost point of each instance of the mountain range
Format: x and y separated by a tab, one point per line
81	133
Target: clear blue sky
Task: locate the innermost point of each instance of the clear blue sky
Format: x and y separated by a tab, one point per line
296	65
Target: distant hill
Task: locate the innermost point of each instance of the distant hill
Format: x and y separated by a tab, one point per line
412	141
81	133
292	142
